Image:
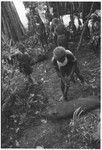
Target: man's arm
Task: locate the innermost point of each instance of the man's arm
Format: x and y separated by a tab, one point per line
57	70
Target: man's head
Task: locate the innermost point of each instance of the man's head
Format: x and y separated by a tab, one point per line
59	53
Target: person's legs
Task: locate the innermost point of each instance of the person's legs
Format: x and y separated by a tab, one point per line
64	89
65	93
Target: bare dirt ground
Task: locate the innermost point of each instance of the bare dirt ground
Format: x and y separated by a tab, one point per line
32	130
58	134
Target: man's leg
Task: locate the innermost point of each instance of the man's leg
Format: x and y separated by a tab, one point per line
65	92
64	89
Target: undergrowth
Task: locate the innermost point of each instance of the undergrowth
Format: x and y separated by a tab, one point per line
23	103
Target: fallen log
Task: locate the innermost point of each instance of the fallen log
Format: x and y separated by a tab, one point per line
66	109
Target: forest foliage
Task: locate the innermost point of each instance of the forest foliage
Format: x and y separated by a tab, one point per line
22	102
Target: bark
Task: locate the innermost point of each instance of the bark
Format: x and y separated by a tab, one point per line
11	24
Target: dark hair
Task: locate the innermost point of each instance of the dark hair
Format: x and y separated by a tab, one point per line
59	52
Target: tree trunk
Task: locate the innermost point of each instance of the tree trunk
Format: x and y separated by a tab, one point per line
84	27
11	24
67	109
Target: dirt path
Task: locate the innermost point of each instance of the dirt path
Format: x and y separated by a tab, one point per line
89	66
56	134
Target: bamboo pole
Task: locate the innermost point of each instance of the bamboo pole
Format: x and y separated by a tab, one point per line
84	27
